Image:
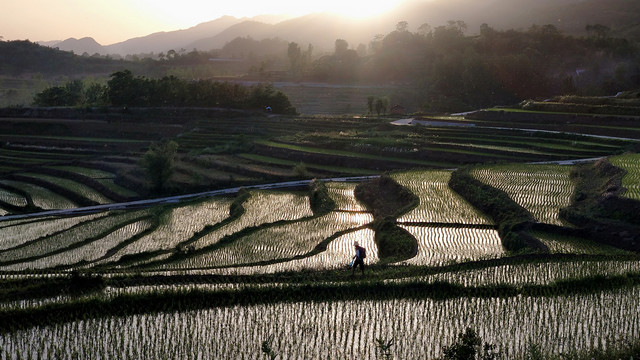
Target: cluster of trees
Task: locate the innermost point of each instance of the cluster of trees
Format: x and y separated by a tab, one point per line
126	90
377	104
452	71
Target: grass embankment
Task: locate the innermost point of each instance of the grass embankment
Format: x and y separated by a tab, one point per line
598	208
387	200
511	218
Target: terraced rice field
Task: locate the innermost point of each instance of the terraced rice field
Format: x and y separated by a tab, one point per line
73	186
342	193
571	245
178	225
443	245
630	181
536	273
85	253
420	328
337	255
69	239
278	235
278	241
18	232
541	189
262	207
12	198
438	203
41	197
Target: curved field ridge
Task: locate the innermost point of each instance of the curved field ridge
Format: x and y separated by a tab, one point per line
571	245
73	186
442	245
63	241
42	198
342	193
12	198
631	180
86	253
20	232
343	329
438	203
543	273
337	256
178	225
278	242
262	207
541	189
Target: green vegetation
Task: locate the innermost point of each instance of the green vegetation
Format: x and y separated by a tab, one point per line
158	162
125	90
469	346
630	181
541	189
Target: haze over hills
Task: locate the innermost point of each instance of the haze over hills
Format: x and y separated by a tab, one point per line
321	30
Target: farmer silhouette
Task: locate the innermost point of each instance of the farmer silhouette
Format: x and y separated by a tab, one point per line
358	259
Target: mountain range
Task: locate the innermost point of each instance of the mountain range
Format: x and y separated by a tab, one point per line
322	29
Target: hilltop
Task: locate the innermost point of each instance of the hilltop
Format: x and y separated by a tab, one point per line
320	30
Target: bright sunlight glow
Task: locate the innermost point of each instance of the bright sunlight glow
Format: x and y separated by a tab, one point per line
110	21
192	12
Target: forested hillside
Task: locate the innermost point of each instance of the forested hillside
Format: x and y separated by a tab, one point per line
25	57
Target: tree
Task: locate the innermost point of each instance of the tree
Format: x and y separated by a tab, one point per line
295	57
370	100
424	30
402	26
598	31
158	163
123	89
341	47
381	105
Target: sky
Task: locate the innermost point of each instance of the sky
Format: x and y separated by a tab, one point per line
111	21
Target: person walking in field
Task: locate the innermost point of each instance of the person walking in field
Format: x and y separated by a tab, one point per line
358	259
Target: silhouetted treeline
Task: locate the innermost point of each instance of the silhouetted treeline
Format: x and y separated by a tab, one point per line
125	90
454	71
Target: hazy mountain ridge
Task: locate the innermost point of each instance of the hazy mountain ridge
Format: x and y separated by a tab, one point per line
321	30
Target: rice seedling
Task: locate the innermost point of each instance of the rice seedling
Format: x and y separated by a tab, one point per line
337	255
571	245
631	180
74	186
89	172
42	197
438	203
111	185
12	198
85	253
342	194
13	234
343	329
262	207
85	231
177	225
278	242
442	245
542	273
541	189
